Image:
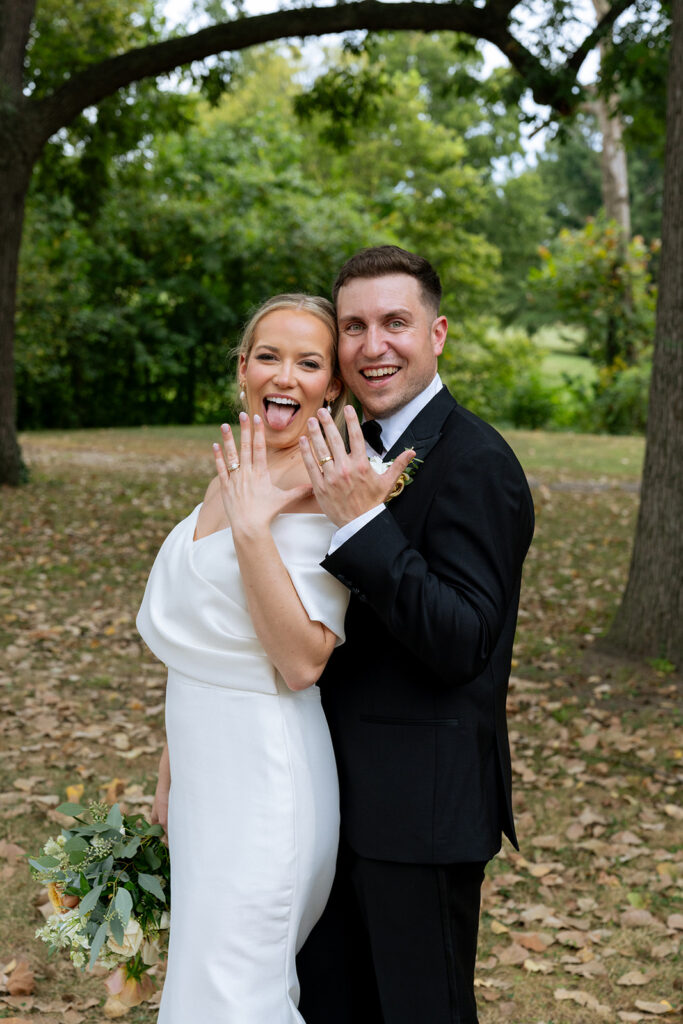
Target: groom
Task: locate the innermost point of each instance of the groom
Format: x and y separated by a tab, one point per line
415	698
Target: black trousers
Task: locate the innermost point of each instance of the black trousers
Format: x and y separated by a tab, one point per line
396	945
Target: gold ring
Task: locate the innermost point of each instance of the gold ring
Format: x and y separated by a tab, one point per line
233	466
326	458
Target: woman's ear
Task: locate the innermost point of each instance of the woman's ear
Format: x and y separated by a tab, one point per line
334	389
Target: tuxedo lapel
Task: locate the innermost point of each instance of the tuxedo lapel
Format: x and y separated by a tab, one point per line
425	430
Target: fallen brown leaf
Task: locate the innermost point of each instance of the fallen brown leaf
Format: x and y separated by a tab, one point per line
21	982
634	978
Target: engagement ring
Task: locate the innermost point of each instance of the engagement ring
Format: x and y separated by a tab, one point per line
233	466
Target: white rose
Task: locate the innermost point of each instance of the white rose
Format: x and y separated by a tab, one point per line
132	940
377	464
165	919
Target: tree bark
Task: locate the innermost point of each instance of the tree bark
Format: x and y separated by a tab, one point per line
650	617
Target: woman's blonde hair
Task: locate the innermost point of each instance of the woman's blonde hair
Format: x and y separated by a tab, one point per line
316	306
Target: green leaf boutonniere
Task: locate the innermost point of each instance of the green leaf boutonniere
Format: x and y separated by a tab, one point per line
406	477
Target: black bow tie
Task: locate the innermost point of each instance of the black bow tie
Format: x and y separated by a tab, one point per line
372	432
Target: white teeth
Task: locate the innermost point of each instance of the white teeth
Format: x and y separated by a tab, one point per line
282	401
383	371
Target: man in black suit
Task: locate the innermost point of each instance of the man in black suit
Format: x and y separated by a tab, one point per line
415	698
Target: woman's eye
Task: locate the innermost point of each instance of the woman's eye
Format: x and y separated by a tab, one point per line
265	356
311	364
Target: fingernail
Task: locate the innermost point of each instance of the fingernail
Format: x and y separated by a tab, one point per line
225	427
216	447
257	418
312	421
243	417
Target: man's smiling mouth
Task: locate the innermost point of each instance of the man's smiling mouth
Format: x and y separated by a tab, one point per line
280	411
380	371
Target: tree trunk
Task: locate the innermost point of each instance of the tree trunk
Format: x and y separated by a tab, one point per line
650	618
614	166
613	158
15	180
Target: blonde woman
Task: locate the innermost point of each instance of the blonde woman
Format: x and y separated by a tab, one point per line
239	609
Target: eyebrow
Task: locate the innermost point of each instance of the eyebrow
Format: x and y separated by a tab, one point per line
404	313
274	348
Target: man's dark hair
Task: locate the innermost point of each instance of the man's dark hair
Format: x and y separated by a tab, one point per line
382	260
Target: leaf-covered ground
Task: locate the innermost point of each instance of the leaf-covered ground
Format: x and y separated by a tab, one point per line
584	924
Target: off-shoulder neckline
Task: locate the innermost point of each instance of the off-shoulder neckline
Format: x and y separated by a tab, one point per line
225	529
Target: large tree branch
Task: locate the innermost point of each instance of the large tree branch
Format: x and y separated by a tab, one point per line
601	30
89	86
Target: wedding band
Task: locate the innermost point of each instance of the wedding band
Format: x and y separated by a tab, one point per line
233	466
327	458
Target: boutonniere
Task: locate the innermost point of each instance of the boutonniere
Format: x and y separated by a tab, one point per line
406	477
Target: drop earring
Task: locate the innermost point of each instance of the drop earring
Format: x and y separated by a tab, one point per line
243	393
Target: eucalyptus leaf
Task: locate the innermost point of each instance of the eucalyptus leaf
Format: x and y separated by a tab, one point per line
77	857
98	942
116	929
152	859
106	868
42	863
115	818
73	809
90	900
76	843
123	904
131	848
151	884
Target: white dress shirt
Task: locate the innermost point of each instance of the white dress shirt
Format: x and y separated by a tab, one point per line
392	428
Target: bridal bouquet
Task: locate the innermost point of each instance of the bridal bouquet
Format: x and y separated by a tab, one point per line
108	879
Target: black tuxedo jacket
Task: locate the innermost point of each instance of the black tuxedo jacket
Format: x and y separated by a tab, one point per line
415	698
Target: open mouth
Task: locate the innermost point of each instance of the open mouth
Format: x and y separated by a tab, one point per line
279	411
379	372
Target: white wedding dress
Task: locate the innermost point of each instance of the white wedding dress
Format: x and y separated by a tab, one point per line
254	807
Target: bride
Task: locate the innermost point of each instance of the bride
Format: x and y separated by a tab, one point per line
239	609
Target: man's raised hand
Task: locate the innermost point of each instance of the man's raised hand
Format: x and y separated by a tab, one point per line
344	483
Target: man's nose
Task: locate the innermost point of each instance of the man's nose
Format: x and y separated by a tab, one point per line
375	342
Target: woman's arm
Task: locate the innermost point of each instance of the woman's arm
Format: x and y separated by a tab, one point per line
160	805
297	647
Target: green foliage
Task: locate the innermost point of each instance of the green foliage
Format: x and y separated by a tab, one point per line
487	369
132	319
591	278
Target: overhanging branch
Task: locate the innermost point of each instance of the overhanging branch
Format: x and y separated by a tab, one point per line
94	83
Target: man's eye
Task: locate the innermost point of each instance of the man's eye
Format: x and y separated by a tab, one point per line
397	323
353	328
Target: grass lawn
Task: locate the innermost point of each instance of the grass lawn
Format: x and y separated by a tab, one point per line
559	343
583	924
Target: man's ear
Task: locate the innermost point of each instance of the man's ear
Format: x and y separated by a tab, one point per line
439	334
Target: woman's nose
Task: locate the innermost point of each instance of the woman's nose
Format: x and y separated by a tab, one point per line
284	375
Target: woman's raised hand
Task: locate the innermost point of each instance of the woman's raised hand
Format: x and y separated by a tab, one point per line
250	498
